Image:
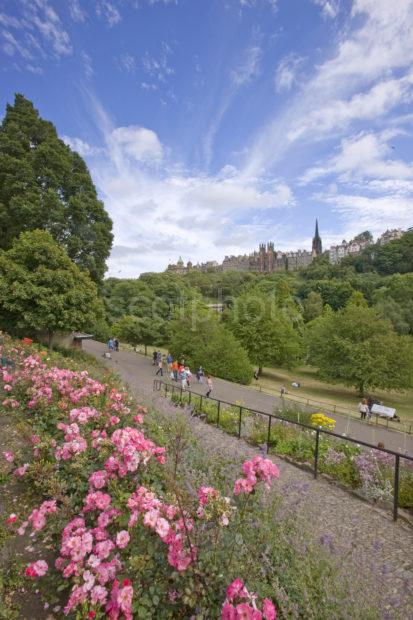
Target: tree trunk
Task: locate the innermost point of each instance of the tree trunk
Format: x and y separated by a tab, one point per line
361	389
50	338
146	349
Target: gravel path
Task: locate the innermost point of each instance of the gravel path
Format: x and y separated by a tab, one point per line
349	526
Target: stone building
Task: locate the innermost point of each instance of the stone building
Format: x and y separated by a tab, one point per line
266	260
347	248
390	235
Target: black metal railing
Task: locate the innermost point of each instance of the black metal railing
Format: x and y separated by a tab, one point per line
158	384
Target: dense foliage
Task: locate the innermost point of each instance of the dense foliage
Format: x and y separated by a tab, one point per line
42	290
45	185
197	335
356	347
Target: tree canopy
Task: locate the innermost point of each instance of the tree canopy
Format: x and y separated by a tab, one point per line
45	185
198	335
264	327
356	347
41	289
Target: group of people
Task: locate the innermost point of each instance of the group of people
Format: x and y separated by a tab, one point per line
365	406
113	344
179	371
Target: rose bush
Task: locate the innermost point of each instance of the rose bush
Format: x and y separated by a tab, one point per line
119	523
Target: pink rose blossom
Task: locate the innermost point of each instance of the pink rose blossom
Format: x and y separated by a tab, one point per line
9	456
36	569
122	539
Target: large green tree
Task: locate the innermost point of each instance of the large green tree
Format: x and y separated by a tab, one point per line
45	185
198	335
140	330
356	347
264	325
41	289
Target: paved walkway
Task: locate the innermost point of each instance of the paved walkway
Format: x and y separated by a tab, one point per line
135	364
362	539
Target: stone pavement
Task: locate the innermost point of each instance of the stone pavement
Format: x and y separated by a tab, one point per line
139	366
362	537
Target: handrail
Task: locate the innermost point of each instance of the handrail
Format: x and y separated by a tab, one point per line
158	383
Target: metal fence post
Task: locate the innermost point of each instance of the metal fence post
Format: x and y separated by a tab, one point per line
200	403
189	398
180	399
218	411
317	441
396	487
239	422
269	434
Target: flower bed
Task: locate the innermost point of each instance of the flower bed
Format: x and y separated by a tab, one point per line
129	541
370	472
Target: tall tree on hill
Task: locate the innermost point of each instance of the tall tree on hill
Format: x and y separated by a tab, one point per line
265	328
355	346
42	290
45	185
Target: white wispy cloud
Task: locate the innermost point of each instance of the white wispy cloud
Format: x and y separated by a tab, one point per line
240	76
248	69
80	146
35	33
109	12
128	62
287	72
77	13
329	8
365	155
159	67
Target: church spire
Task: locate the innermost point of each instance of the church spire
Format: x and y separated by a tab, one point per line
317	245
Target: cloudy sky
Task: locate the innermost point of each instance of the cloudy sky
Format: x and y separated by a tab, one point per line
212	125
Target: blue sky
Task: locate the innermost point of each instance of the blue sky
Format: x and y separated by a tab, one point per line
212	125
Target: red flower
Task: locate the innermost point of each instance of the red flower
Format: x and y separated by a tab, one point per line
126	582
92	614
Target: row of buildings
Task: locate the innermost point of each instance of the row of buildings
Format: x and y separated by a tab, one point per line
359	243
267	259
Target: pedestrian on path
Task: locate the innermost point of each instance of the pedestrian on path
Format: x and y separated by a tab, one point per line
116	344
110	344
169	361
363	409
282	391
200	375
209	386
154	357
175	368
182	376
160	368
188	376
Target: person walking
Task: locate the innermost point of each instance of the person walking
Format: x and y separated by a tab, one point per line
188	376
116	344
183	378
175	367
110	344
209	386
169	361
200	375
160	368
363	409
282	391
154	357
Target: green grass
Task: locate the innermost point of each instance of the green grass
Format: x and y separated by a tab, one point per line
311	387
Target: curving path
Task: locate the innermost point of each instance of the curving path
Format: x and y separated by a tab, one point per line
138	367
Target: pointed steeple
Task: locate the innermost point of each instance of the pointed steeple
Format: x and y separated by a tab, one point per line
317	245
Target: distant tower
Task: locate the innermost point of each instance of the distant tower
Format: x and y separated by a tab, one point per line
317	249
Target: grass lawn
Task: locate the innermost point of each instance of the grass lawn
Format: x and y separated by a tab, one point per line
311	387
